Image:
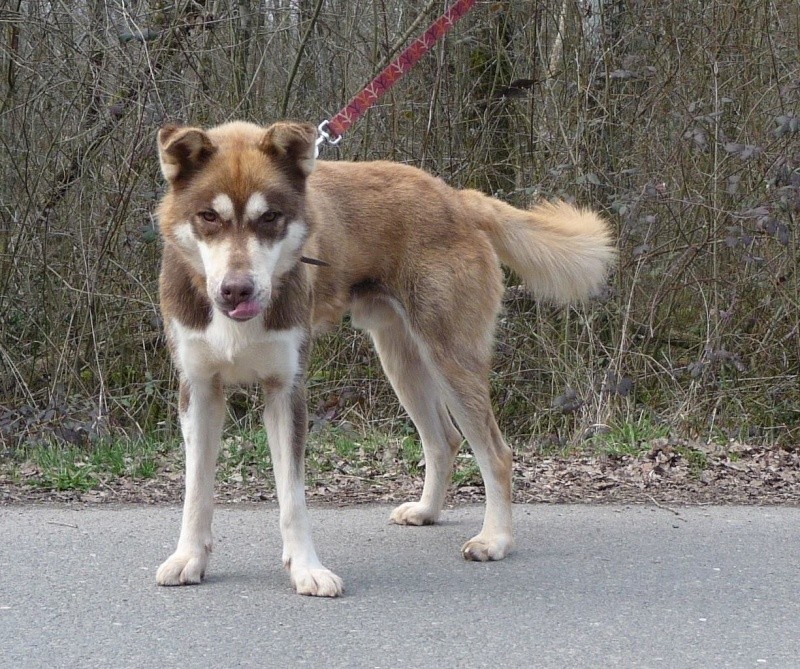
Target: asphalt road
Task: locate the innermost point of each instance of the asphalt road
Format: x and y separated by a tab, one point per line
587	586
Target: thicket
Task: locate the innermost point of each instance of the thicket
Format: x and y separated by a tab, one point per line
679	120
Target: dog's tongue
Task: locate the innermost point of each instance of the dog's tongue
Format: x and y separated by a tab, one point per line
245	310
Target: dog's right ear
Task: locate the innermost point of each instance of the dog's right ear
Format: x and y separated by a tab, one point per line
182	150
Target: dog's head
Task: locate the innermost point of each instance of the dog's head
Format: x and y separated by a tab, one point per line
235	207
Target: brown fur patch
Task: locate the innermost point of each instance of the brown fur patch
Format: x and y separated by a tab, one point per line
184	397
291	302
183	291
300	421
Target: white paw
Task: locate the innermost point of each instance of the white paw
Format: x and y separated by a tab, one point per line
485	548
183	569
413	513
319	582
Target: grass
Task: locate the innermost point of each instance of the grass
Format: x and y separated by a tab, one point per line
467	471
245	454
628	438
698	460
637	437
63	469
55	466
411	452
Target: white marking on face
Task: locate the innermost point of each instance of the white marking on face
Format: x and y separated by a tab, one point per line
215	258
296	233
265	258
223	205
256	205
184	236
273	260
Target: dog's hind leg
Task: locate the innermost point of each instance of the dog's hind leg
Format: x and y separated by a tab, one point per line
419	394
468	399
202	411
285	417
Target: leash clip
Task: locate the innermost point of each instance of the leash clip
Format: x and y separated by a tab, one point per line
325	136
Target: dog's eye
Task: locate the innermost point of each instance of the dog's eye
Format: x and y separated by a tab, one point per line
209	222
269	223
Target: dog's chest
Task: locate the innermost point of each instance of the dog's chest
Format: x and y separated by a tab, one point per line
239	352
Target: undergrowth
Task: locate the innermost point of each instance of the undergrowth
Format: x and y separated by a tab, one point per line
678	121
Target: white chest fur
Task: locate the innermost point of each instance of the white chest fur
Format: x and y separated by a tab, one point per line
239	352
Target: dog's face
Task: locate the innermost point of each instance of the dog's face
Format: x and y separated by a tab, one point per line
235	206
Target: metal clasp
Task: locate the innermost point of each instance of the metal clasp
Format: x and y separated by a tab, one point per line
325	137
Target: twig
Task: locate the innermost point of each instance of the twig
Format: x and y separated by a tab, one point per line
299	57
666	508
55	522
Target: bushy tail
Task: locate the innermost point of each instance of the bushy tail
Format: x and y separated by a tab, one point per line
560	251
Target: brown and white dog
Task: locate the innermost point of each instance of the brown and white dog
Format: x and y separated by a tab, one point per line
414	261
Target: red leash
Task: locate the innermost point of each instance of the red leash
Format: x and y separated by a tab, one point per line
331	131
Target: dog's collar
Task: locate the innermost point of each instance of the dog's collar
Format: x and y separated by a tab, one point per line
314	261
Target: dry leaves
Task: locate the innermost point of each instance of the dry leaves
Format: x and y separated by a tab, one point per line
672	471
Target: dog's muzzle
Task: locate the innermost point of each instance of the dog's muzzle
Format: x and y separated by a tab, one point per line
236	297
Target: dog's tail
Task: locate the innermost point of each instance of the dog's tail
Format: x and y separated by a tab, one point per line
560	251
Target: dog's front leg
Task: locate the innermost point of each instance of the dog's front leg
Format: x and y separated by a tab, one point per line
202	412
285	418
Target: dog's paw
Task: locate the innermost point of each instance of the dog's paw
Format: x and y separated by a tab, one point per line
413	513
182	569
319	582
484	549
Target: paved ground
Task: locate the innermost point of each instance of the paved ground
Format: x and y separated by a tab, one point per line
588	586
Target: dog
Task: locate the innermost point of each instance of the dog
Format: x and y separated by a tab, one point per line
263	245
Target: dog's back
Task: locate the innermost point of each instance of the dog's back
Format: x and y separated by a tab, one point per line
394	225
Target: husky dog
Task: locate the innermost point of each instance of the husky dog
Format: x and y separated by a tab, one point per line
415	262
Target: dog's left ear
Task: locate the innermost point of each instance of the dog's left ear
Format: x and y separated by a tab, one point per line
291	143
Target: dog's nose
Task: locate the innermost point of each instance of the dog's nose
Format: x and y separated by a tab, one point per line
236	289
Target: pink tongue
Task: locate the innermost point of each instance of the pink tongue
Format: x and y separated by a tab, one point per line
245	310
